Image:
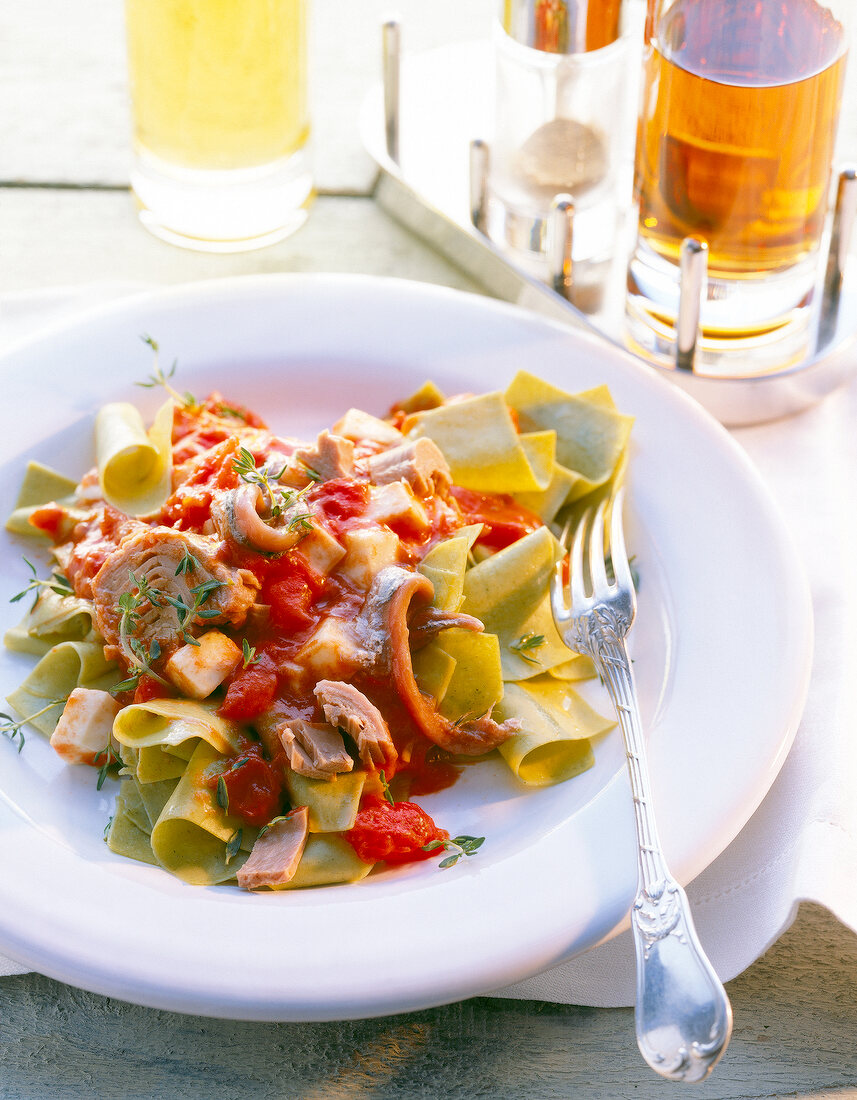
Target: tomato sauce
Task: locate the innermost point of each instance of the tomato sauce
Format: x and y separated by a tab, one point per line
504	520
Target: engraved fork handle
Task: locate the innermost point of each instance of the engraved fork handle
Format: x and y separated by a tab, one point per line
683	1015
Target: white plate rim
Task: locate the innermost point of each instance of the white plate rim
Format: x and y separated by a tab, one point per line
163	970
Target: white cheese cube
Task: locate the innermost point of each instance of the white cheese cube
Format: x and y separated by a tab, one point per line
321	549
331	652
396	503
197	670
369	550
85	727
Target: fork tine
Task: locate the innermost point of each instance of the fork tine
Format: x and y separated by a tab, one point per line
559	599
597	565
618	553
576	579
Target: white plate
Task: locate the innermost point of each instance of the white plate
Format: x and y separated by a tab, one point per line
722	650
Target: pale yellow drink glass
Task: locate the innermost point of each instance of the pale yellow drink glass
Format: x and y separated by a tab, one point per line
221	120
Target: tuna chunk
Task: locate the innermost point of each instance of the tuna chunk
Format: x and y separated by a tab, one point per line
277	852
420	463
314	749
345	706
177	568
332	456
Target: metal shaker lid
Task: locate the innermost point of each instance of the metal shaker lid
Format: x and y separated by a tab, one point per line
561	26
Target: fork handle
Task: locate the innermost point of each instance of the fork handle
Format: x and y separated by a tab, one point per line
683	1016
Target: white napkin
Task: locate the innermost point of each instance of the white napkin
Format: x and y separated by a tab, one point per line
802	842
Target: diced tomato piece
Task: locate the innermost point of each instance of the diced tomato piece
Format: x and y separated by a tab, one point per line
291	590
254	788
340	500
395	834
251	690
504	520
150	688
48	519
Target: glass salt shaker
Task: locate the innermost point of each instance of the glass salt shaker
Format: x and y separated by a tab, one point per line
561	125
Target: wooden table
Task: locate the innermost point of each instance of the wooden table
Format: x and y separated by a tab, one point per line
66	218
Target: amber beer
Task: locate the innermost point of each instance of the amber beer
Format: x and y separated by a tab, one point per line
737	128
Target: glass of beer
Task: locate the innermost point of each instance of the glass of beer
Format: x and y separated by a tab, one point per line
735	140
221	120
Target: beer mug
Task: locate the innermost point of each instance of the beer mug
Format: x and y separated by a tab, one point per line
221	122
735	140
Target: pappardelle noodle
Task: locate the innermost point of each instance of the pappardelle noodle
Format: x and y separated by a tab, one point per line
277	646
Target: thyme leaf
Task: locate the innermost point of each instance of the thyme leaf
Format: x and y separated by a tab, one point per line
13	728
57	583
249	653
233	845
525	643
112	759
460	846
385	788
160	377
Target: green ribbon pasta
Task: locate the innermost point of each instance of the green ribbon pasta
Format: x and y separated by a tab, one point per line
53	619
483	448
191	835
446	564
553	744
63	668
332	803
41	485
172	722
126	838
508	592
134	466
326	861
591	436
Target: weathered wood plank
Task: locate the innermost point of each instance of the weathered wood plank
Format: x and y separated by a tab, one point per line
794	1035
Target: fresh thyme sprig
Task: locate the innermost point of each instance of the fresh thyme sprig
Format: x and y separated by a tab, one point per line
13	728
233	845
188	563
279	500
112	759
159	377
385	788
525	643
143	661
460	846
250	656
57	583
246	468
188	612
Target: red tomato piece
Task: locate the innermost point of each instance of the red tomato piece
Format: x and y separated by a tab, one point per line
150	688
254	788
251	690
340	500
505	521
291	590
395	834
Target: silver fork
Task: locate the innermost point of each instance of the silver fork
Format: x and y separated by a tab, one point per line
683	1016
